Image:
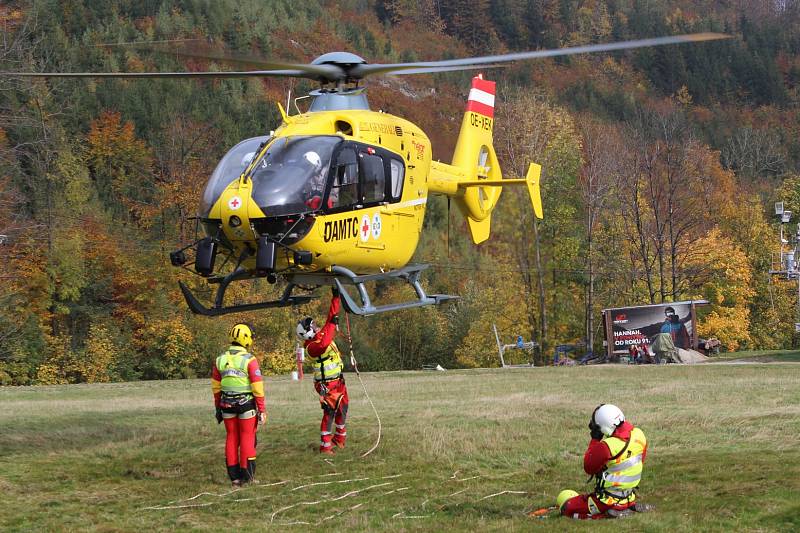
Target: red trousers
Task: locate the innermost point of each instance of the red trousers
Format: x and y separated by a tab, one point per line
329	415
240	442
578	507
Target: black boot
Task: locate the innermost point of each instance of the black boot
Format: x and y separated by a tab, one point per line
249	475
235	473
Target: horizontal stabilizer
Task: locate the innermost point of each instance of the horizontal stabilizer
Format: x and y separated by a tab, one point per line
532	181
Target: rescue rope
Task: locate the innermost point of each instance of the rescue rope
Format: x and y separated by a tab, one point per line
401	516
355	367
328	483
328	500
401	489
329	517
171	505
503	492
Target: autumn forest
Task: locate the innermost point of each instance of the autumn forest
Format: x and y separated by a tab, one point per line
660	170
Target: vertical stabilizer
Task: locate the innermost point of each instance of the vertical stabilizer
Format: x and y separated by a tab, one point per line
475	156
474	179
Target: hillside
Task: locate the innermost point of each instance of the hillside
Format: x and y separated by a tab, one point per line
660	169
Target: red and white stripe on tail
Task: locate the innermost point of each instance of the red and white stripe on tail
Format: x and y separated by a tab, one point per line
481	96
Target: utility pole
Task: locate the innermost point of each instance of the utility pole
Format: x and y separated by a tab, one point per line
785	264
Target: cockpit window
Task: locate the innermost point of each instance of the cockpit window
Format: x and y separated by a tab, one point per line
344	188
364	176
290	177
228	169
398	173
374	178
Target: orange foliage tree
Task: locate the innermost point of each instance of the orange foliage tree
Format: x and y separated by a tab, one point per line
120	164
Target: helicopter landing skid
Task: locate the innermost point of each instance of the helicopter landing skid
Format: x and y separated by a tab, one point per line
409	273
341	277
219	309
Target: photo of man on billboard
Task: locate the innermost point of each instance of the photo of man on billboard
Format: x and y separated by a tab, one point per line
676	328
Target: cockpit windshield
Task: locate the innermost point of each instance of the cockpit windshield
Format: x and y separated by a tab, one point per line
228	169
290	177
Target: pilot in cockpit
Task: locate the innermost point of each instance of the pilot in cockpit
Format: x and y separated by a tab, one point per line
316	183
248	157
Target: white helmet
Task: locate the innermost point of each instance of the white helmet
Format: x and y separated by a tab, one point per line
313	158
607	417
305	328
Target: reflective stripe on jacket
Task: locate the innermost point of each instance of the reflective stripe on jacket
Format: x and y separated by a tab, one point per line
232	367
328	365
622	475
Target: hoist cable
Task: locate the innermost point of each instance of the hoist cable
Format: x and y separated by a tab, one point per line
355	367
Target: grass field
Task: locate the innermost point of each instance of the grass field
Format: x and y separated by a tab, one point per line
461	451
761	356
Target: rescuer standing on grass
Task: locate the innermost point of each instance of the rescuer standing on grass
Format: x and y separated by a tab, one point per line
239	400
615	458
328	377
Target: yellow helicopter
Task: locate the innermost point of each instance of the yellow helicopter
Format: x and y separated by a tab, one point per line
337	195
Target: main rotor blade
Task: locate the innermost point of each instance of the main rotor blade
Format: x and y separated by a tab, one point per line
337	71
267	68
434	70
313	71
220	74
360	71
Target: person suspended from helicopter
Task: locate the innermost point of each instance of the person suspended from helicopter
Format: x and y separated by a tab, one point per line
615	458
238	391
328	375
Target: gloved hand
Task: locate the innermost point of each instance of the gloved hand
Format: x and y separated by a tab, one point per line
334	290
218	415
594	431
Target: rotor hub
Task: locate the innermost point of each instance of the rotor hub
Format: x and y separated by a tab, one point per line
346	62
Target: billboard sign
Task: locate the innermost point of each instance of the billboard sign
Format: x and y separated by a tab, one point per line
640	325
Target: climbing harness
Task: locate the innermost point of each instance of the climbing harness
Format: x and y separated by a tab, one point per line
355	367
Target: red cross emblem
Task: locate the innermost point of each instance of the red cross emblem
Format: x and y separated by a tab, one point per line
365	228
234	203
